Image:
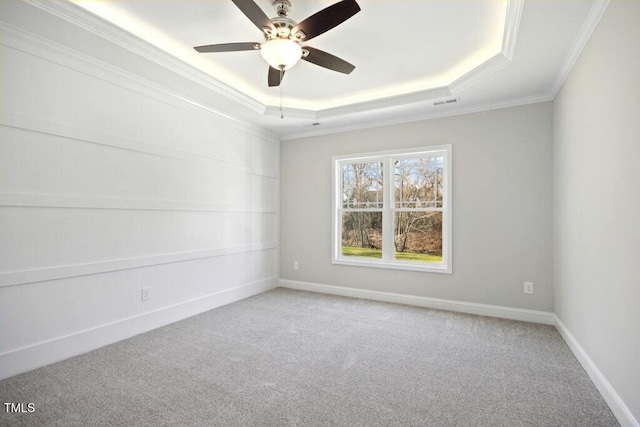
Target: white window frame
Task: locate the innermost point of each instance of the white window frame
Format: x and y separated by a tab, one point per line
388	210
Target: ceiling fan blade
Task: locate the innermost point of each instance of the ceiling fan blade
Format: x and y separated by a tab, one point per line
227	47
274	78
254	13
326	60
327	18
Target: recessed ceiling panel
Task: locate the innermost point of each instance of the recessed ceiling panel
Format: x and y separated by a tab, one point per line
398	47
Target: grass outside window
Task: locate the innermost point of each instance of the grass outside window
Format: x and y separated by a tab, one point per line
377	253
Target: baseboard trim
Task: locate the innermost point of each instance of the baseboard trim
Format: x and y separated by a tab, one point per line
613	399
437	303
41	354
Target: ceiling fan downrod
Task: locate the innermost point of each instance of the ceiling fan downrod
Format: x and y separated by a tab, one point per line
282	7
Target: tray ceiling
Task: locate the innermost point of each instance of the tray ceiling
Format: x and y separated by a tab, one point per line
410	56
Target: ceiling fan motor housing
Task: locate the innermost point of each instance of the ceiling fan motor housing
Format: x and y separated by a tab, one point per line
283	27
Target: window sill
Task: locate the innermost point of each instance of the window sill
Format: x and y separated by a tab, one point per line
398	265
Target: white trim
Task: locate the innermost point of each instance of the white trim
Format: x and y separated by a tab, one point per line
76	15
423	115
393	265
482	71
387	210
616	404
24	277
387	102
84	19
510	36
56	53
521	314
85	202
364	106
468	79
595	14
37	355
33	124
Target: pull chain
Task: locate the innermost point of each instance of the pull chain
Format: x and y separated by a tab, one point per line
281	91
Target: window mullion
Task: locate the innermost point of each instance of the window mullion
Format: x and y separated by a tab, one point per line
387	214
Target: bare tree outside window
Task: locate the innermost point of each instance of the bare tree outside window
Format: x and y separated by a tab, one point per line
418	208
362	196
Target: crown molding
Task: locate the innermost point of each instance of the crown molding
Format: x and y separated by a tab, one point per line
482	71
429	115
500	60
84	19
595	14
102	28
19	39
297	113
392	101
360	107
512	25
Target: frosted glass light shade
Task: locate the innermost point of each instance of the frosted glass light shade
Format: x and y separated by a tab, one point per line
281	52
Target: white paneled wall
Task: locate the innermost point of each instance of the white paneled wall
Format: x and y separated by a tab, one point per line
109	184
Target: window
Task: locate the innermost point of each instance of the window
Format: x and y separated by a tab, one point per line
393	209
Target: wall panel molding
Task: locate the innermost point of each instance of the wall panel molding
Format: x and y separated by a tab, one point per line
24	277
32	124
82	18
47	50
113	181
85	202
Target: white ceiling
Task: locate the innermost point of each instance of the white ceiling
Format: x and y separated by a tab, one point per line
408	54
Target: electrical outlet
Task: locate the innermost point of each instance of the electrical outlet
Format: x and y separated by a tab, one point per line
295	265
146	294
528	287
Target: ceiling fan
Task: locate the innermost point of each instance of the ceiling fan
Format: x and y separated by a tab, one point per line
284	37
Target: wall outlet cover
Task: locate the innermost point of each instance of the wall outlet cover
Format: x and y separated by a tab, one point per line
528	287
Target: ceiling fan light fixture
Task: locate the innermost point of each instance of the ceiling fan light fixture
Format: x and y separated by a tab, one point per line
282	49
281	53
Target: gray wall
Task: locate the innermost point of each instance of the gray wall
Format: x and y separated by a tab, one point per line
597	204
501	207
